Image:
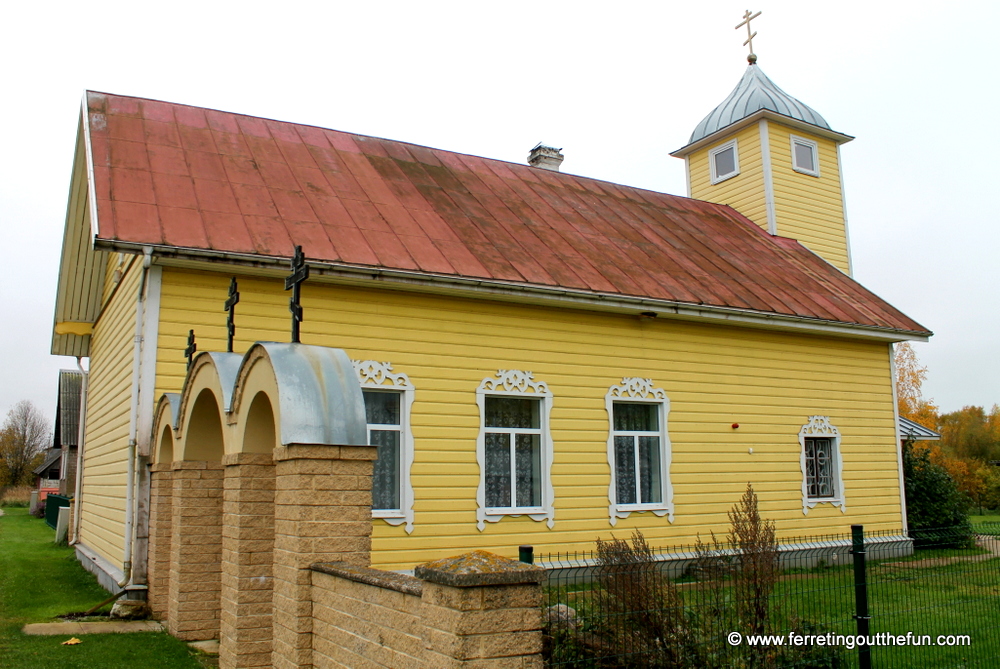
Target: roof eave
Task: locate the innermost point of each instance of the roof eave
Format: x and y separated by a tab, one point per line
515	292
838	137
80	270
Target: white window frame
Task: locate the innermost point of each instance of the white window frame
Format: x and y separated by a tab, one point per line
374	375
819	427
516	383
634	390
795	139
713	173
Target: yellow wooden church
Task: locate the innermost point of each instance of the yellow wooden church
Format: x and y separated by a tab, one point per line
535	357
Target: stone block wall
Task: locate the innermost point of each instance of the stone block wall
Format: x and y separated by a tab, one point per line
161	489
366	618
476	610
195	550
247	560
270	553
322	512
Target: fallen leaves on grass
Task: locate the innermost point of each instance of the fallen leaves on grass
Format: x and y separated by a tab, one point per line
71	642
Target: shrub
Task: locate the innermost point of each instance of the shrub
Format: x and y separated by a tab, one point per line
936	510
39	510
646	614
742	573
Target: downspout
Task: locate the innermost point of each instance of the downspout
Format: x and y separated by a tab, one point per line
132	423
81	430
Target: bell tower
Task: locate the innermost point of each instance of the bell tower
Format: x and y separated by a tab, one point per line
775	160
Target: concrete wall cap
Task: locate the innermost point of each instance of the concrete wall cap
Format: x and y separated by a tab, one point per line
479	568
375	577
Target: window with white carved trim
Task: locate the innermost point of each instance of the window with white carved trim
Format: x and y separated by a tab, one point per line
821	464
724	161
805	156
388	399
638	449
514	448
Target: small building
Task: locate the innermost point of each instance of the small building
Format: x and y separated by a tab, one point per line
47	474
535	357
66	433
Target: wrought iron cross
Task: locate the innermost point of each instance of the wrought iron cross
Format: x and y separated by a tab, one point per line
231	302
747	18
293	282
191	349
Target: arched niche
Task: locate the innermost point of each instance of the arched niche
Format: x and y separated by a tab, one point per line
203	428
164	424
260	435
255	406
203	436
165	447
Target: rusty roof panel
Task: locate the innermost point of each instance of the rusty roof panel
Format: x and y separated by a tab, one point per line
183	227
190	177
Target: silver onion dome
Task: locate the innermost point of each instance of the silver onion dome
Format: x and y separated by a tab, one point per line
755	92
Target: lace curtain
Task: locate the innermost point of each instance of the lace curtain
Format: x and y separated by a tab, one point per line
527	467
643	486
385	474
625	469
514	413
382	409
497	469
635	417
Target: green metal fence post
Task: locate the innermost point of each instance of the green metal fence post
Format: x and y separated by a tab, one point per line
861	594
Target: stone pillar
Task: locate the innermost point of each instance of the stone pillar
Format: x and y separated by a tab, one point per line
195	550
161	490
247	557
481	610
322	513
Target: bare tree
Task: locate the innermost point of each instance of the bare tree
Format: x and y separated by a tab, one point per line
23	437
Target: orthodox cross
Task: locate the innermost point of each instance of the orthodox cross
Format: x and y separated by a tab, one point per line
231	302
293	282
191	348
747	18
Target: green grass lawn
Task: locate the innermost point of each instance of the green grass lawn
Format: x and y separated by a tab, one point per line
39	582
988	524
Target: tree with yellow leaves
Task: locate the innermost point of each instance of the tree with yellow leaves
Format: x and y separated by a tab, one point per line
910	376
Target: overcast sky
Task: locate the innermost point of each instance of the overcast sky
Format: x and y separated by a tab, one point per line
617	86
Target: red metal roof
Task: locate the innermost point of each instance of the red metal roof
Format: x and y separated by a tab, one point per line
169	174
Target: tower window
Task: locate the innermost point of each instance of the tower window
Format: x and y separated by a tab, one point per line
724	161
805	156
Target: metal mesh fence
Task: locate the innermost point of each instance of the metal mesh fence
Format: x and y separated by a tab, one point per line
713	605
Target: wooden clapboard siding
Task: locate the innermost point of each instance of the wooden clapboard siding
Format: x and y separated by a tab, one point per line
809	208
109	393
770	383
745	191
